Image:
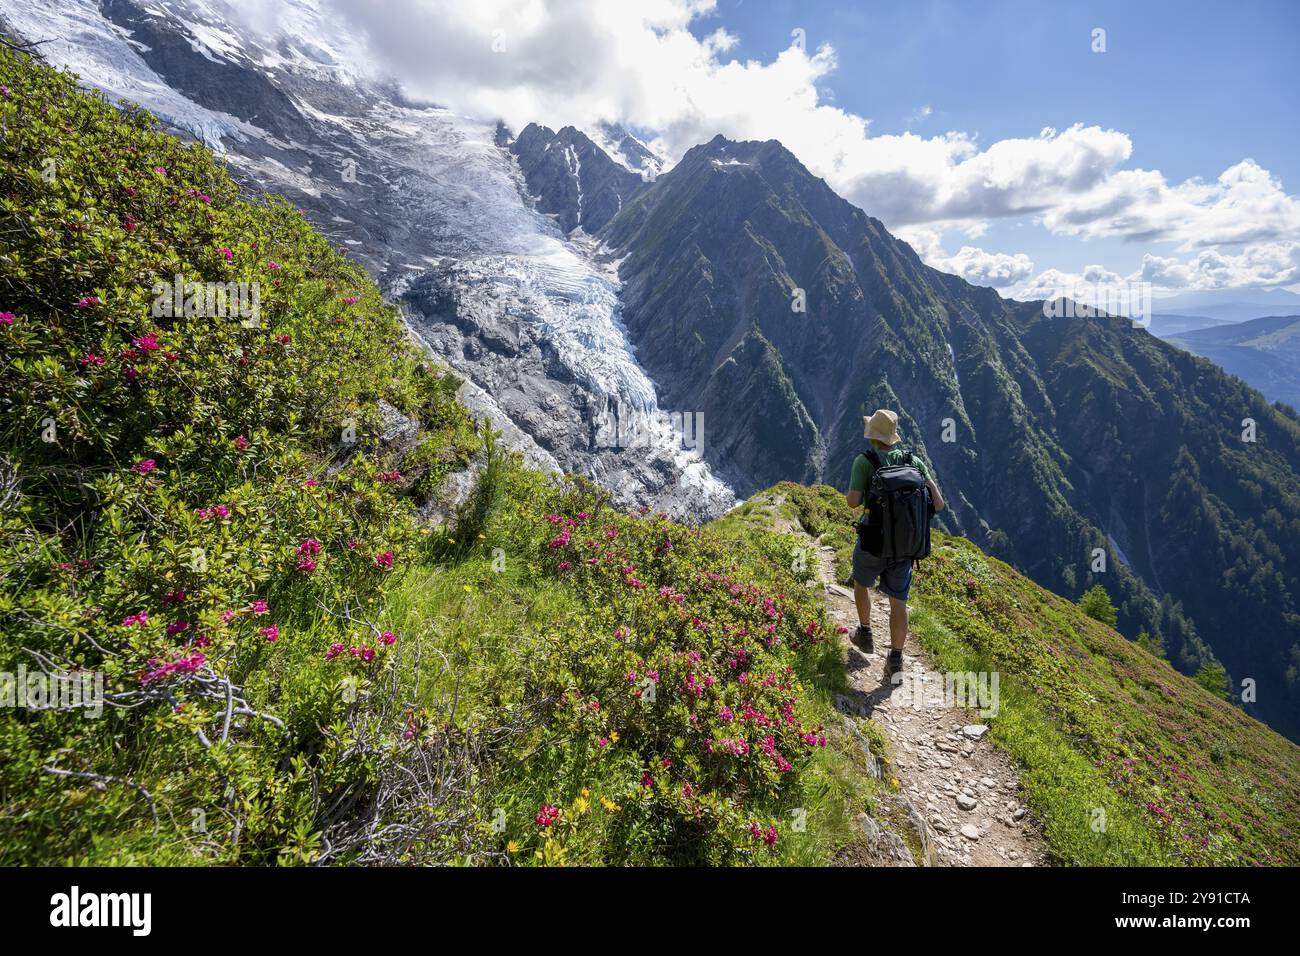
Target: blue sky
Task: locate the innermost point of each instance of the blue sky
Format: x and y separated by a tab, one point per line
1196	86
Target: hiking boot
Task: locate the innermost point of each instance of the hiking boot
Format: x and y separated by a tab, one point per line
861	639
894	663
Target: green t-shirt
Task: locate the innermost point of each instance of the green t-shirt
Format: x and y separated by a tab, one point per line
860	480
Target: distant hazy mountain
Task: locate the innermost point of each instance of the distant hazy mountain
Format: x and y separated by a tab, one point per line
1265	353
1231	305
1166	325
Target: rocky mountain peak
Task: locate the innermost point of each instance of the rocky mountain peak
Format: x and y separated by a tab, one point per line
573	179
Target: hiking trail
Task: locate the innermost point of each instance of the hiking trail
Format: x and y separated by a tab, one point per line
963	797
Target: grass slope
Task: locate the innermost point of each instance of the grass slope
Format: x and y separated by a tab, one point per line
206	513
1126	760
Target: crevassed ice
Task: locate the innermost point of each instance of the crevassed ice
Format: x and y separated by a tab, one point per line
465	192
535	272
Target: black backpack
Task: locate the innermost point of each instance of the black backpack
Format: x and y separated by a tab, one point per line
896	525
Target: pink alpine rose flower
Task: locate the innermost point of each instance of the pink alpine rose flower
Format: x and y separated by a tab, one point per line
547	815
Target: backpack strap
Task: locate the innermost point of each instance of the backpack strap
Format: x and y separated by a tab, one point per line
873	456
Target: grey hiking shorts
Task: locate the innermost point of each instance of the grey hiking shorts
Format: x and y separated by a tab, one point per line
895	576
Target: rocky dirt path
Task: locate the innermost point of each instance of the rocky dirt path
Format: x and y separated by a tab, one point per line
965	790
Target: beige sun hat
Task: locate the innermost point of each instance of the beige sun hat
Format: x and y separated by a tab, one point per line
881	426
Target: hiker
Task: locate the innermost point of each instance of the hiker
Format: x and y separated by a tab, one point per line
898	498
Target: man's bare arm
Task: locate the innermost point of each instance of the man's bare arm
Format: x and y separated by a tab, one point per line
935	496
854	498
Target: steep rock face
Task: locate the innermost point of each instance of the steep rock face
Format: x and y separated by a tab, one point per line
221	85
1052	436
572	178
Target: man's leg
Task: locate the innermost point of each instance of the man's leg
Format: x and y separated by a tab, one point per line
865	571
862	598
897	623
861	637
898	581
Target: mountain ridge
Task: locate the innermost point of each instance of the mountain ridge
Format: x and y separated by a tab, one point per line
1053	422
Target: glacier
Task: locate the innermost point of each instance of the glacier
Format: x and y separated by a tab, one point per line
437	211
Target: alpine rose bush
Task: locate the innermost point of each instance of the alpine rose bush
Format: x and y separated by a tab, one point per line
188	501
682	681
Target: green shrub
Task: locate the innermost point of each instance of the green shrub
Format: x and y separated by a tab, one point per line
195	505
1096	604
676	684
1214	679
